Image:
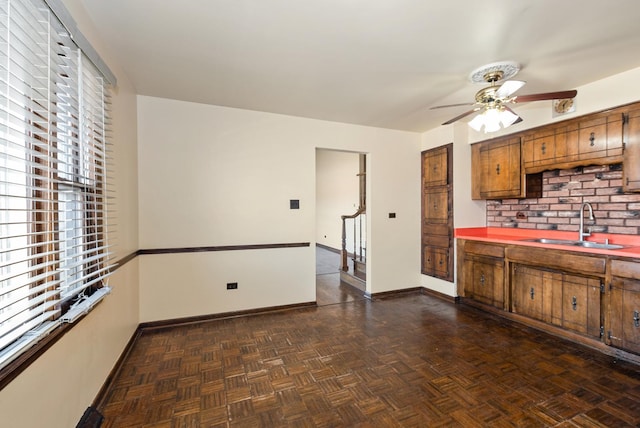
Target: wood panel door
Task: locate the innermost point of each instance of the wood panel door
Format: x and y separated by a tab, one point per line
437	212
581	305
631	159
533	293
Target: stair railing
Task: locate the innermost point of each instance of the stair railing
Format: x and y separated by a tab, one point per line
359	238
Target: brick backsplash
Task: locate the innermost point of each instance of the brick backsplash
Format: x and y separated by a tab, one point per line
562	193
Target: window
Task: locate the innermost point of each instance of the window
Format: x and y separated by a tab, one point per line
54	256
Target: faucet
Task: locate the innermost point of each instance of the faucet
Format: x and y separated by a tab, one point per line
581	232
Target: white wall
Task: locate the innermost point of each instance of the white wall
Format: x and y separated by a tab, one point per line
337	194
55	390
212	176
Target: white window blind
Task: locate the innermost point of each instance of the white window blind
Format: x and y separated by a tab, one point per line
54	252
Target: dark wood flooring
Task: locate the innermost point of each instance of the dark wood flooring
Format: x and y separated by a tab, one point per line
329	289
406	361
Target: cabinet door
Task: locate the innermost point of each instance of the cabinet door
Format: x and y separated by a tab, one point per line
497	170
436	205
434	167
487	278
631	159
624	314
539	149
581	305
436	262
600	137
533	293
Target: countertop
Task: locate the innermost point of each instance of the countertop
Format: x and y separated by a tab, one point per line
503	235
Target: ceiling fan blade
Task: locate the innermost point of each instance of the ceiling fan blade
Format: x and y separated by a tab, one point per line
546	96
509	87
460	116
452	105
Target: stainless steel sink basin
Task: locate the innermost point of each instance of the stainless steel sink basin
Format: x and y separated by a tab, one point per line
585	244
589	244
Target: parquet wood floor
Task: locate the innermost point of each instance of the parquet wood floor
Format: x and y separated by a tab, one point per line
406	361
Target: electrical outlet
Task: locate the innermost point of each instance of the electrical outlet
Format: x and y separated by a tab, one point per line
232	285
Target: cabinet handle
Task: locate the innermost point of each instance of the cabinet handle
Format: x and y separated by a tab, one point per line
544	148
435	206
636	319
532	293
482	279
498	169
592	138
574	303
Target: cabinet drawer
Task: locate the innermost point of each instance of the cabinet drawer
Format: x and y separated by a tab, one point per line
484	249
625	268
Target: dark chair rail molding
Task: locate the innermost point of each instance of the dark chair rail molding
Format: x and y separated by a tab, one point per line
221	248
150	251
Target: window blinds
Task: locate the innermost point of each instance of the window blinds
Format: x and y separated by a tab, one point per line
54	251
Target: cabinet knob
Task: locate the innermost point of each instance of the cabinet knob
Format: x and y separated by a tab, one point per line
592	139
574	303
532	292
498	169
636	319
544	148
482	279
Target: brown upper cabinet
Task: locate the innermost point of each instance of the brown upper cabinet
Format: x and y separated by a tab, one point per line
496	169
510	166
631	162
594	138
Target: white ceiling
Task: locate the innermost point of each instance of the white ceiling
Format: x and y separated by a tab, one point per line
379	63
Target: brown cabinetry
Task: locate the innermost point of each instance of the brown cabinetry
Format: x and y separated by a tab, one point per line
589	298
624	307
536	293
594	138
496	167
482	275
437	212
631	160
581	304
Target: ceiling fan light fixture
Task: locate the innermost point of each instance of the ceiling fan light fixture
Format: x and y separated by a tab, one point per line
507	118
492	119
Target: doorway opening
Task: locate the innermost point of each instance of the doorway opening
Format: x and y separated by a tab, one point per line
341	228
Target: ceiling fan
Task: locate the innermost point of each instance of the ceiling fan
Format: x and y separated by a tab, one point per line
492	101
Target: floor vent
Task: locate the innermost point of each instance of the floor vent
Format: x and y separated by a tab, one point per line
90	419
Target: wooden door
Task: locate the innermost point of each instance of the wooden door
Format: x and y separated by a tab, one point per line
631	159
487	276
624	314
533	293
581	305
436	205
434	167
437	212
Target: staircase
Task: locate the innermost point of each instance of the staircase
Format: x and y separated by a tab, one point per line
353	270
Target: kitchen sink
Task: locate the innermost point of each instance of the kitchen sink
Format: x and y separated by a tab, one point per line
585	244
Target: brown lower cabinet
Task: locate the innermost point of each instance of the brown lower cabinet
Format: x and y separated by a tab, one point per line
624	308
569	301
594	299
